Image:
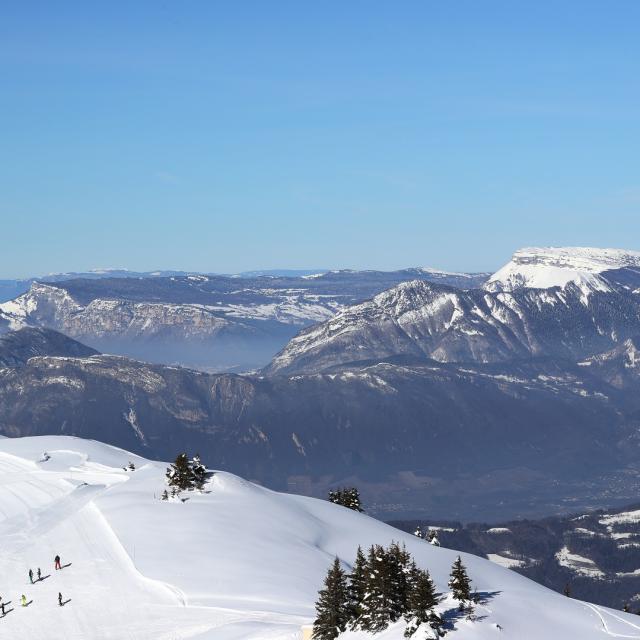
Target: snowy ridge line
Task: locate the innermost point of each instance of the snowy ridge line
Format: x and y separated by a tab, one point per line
144	568
546	267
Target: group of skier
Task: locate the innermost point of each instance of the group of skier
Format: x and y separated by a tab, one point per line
23	598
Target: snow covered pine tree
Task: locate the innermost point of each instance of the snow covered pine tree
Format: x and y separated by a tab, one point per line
385	588
357	589
179	474
348	497
199	472
422	600
332	607
460	584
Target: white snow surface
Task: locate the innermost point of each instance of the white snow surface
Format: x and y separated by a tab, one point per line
542	268
236	562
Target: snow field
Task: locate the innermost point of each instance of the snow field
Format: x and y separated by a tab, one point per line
236	562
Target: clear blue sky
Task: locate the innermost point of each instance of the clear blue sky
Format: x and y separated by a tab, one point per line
224	136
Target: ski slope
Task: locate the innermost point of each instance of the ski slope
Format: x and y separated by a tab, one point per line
237	562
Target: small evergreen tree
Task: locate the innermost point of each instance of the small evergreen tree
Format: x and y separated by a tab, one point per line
357	589
459	583
332	607
352	499
422	600
132	467
198	472
567	590
179	474
400	569
165	495
386	588
348	497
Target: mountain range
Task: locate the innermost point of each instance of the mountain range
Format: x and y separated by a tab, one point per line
469	403
205	321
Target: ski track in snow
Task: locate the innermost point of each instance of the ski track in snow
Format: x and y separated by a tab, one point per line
238	563
72	525
601	615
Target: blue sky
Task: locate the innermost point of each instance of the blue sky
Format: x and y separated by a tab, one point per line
225	136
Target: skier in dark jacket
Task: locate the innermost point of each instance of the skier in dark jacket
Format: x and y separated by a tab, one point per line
31	576
2	608
39	575
59	599
57	561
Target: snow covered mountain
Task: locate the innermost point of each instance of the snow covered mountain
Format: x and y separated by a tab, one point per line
235	562
589	269
421	319
211	322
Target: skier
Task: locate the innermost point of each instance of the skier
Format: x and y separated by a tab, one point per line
59	599
31	576
39	575
23	600
57	561
2	608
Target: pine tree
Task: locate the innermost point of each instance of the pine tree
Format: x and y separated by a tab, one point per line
386	587
459	583
352	499
179	474
347	497
357	589
376	614
400	573
198	472
332	607
165	495
422	600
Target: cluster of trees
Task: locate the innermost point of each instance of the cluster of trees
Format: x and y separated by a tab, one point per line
383	587
430	535
346	497
185	475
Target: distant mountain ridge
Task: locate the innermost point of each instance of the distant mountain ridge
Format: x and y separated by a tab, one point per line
211	322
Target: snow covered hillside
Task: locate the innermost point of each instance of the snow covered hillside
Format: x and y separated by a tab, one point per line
236	562
542	268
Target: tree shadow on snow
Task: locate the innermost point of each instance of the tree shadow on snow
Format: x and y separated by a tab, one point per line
484	597
451	616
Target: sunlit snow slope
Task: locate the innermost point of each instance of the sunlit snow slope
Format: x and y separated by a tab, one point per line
542	268
237	562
